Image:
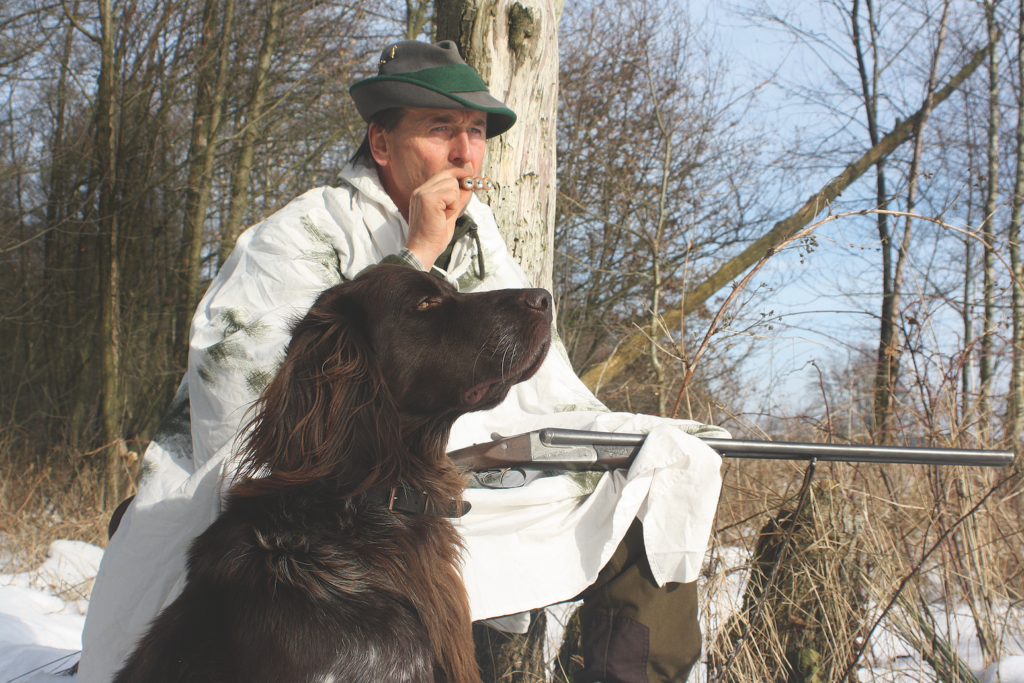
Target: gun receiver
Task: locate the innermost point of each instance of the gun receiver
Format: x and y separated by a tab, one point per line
570	449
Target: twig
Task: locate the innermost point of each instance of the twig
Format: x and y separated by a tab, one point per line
824	397
86	32
31	491
26	241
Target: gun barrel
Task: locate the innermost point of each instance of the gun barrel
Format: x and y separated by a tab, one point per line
791	450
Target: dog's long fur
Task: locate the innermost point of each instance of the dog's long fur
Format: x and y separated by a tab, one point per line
306	576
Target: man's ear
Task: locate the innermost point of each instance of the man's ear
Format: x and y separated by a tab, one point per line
378	144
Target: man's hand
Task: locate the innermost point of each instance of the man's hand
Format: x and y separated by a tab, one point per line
433	208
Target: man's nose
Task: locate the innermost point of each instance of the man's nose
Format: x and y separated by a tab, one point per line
459	148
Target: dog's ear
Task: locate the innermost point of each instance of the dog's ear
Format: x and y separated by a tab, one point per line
327	414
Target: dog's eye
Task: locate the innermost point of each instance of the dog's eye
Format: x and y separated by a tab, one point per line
427	302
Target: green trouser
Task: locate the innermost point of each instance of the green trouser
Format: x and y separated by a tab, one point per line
633	631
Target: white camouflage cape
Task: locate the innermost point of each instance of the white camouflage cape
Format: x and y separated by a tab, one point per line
526	547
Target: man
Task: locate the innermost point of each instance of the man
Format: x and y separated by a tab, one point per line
429	115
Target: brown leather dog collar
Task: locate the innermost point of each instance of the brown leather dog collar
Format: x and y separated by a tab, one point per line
399	498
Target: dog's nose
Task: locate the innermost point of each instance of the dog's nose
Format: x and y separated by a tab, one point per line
537	299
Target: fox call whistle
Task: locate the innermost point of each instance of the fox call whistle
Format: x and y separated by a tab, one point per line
477	183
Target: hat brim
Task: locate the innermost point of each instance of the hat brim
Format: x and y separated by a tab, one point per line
377	94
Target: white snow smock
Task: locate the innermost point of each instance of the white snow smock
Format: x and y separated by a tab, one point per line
525	548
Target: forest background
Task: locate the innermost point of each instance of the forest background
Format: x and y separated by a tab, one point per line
693	276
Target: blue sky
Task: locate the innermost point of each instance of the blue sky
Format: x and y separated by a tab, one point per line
828	300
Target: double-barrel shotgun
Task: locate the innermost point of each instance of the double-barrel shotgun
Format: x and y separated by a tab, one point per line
571	449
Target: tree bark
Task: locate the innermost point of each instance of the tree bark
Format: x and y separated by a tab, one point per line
635	345
513	44
250	132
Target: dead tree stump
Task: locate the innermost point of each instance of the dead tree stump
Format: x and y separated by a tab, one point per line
805	631
570	653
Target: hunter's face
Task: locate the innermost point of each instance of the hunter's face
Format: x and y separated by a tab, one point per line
426	142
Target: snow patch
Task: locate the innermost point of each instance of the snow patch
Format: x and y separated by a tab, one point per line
1008	670
42	613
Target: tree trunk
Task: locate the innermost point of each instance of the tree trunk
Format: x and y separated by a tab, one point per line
247	146
55	245
869	92
1015	407
883	382
889	349
967	371
987	231
108	330
635	345
416	17
514	46
210	87
657	247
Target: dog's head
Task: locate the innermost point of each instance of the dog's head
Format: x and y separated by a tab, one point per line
442	352
377	372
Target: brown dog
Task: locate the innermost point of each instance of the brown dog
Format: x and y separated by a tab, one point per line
314	573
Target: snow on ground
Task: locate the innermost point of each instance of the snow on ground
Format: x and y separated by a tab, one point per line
42	613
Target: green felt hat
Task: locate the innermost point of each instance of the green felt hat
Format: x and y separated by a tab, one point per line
416	74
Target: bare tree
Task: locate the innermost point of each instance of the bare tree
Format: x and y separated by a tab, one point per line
889	345
128	186
416	17
253	114
655	181
1015	405
695	297
108	335
991	202
211	85
885	379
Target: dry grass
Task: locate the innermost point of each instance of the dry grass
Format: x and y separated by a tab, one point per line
897	548
43	498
